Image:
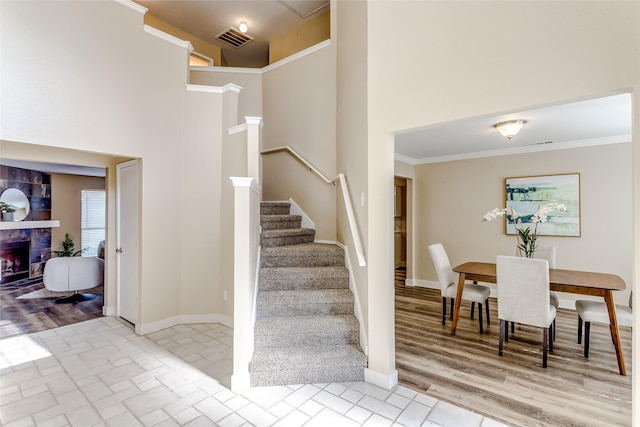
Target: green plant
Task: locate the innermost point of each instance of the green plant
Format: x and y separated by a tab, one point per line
68	248
6	207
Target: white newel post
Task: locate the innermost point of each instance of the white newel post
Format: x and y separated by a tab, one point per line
245	256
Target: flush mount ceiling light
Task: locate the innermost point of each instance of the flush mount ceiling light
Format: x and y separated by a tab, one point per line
510	128
243	27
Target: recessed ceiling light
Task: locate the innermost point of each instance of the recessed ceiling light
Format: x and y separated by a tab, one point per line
243	27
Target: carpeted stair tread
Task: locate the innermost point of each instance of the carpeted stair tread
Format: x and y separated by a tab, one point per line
295	331
288	232
290	278
299	302
308	357
303	255
275	208
294	236
280	222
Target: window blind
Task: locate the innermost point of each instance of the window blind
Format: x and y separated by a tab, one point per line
93	220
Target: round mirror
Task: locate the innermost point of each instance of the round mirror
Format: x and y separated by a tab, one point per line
19	201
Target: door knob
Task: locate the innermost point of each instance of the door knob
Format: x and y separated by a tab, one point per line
119	250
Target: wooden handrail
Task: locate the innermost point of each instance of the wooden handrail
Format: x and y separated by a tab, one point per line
355	235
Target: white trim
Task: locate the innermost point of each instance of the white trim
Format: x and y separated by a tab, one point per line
242	127
108	310
297	210
243	181
357	310
147	328
168	37
17	225
250	120
240	382
134	6
621	139
254	309
214	89
381	380
221	69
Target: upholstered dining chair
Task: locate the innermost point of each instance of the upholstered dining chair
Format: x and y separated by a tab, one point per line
449	286
549	253
596	312
523	297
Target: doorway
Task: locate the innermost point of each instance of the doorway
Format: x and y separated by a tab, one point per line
400	228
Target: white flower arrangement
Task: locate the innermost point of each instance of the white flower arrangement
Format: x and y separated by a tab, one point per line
524	236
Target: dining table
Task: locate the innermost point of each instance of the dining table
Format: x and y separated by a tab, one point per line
572	281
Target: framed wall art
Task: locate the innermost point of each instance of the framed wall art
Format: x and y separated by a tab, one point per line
525	195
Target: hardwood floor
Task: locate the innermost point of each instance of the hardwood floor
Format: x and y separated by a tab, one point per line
466	370
24	316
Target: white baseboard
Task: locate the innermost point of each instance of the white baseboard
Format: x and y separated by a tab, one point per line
240	382
147	328
381	380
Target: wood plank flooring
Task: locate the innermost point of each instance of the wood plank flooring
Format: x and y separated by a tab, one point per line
466	370
25	316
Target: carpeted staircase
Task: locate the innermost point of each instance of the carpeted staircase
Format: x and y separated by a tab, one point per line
305	332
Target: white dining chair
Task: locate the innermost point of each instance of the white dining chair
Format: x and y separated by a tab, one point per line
449	286
596	312
523	297
549	253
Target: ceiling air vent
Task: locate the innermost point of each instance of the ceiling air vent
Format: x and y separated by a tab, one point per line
234	37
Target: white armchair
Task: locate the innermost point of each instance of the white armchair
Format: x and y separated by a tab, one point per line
64	274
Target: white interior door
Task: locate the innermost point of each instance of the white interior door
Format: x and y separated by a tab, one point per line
127	240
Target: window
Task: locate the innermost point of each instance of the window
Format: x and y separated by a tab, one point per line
199	60
93	220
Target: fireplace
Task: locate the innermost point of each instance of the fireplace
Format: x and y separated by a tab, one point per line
14	261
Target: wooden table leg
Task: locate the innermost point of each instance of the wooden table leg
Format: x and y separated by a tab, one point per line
615	333
456	309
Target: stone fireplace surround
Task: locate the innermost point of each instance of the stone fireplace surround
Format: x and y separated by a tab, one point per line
37	186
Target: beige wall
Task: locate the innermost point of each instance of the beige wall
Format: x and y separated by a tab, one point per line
199	45
250	99
66	205
452	197
299	104
306	35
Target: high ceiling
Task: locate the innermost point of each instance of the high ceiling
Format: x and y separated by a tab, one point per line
590	122
266	19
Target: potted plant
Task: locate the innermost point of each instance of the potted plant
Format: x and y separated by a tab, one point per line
68	247
7	211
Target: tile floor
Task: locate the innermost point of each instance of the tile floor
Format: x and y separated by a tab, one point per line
100	373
